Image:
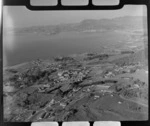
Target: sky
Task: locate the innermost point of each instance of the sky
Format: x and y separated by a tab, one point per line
20	16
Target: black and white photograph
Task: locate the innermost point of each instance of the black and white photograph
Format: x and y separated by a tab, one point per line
75	65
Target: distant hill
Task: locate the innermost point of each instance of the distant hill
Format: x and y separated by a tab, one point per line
119	23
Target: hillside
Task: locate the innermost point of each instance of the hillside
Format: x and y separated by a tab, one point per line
85	87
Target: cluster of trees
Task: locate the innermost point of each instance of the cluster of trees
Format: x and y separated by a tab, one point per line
31	76
100	57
